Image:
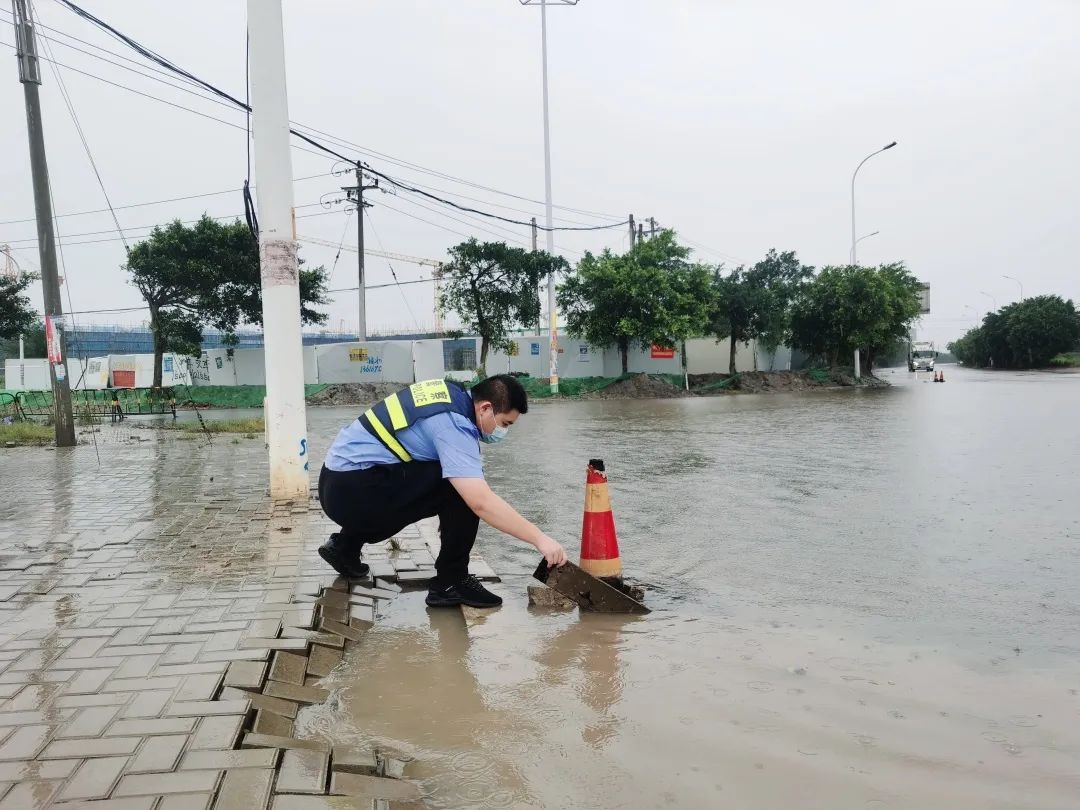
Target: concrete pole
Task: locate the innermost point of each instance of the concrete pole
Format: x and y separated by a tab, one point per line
361	333
540	303
553	315
633	232
286	422
22	363
30	76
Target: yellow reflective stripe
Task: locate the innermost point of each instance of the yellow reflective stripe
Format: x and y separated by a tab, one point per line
388	438
397	415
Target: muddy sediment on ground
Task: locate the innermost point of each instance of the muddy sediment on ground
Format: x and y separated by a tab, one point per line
764	382
354	393
640	386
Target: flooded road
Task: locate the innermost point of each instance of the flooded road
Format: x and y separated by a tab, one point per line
863	599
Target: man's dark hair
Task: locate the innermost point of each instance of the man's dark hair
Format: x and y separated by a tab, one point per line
504	393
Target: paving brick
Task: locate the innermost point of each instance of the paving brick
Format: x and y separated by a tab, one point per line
353	759
137	666
99	747
147	704
89	722
85	647
323	659
183	653
187	801
204	668
303	772
273	724
199	687
94	779
88	681
269	741
216	733
289	667
37	769
299	694
235	655
100	699
25	743
215	627
373	787
243	758
246	789
134	803
225	641
142	684
340	629
250	674
256	642
34	795
161	784
167	725
158	754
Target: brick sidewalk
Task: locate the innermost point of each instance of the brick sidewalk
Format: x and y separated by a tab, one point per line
161	623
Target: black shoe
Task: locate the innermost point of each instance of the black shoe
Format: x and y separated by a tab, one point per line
345	562
468	591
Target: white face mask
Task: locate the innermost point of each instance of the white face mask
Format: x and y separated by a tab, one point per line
497	434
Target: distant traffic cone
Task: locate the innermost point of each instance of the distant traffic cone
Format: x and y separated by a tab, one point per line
942	377
599	546
937	377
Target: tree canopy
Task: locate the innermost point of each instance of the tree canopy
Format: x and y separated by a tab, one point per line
493	288
853	307
755	303
206	275
652	294
16	313
1021	335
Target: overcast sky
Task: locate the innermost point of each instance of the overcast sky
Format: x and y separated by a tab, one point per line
737	122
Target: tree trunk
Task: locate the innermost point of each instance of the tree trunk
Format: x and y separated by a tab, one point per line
624	353
731	357
483	354
159	346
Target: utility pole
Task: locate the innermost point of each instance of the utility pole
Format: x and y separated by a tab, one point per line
286	417
30	76
640	232
356	195
540	308
652	227
633	232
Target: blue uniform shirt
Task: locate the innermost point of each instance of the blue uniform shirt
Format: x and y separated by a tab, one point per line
448	438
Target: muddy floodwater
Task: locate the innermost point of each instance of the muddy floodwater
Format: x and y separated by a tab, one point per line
862	599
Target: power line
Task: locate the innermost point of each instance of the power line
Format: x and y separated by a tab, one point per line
393	273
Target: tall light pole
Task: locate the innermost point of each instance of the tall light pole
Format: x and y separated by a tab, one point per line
866	236
854	240
1010	278
854	259
992	299
969	306
553	315
286	417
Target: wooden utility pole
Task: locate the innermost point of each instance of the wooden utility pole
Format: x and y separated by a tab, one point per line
633	232
30	76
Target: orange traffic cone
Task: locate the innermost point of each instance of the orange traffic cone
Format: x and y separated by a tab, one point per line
942	377
599	546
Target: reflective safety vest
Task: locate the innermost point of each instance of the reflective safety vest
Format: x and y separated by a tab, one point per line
410	405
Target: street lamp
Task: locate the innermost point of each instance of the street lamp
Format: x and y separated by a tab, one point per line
853	239
854	260
866	236
1010	278
553	315
992	299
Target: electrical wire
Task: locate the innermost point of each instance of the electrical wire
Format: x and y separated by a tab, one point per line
344	231
165	63
393	273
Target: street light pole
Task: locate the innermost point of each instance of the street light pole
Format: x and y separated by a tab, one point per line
992	299
549	234
854	259
1010	278
854	240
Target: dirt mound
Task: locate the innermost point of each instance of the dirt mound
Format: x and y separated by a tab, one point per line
640	386
354	393
765	382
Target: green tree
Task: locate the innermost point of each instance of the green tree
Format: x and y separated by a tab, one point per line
650	295
755	303
206	275
16	314
493	288
1021	335
853	307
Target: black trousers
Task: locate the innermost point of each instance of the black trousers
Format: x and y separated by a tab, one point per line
375	504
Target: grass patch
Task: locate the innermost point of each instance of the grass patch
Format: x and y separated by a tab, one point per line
249	427
1066	360
27	434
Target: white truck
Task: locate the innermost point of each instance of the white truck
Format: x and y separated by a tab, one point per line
921	355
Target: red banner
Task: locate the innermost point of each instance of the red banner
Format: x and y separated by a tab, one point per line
662	353
52	341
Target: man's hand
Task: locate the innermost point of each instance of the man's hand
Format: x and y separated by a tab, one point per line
553	552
